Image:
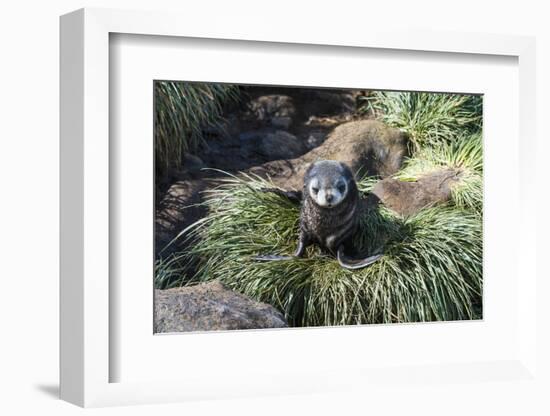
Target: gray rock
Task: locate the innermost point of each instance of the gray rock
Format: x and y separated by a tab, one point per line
330	102
272	144
281	145
247	137
211	307
368	146
275	110
192	163
407	198
281	122
315	139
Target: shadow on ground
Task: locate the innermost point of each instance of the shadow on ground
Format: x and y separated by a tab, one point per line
51	390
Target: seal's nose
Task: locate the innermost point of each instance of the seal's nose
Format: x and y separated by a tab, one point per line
329	198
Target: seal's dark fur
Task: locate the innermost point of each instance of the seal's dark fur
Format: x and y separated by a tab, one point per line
328	227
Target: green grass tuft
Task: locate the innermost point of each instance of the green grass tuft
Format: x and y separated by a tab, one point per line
430	119
431	269
169	271
183	110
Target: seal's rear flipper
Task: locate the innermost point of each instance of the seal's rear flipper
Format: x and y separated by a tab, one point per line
353	264
272	257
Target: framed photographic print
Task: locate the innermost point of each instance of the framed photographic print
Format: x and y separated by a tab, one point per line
388	186
277	213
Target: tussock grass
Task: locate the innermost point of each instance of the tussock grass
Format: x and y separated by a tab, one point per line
183	110
431	269
430	119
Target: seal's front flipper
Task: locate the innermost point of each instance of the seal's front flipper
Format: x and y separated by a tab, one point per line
294	196
353	264
272	257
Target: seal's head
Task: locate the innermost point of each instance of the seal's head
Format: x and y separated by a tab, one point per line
328	183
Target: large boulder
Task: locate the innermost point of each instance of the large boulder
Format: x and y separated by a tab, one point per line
211	307
273	110
366	146
270	144
281	145
328	102
407	198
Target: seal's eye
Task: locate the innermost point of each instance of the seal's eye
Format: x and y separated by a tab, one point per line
342	188
315	190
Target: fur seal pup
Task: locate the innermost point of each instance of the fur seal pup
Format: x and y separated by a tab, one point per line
329	214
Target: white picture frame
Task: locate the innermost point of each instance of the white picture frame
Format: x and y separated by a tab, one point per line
86	305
